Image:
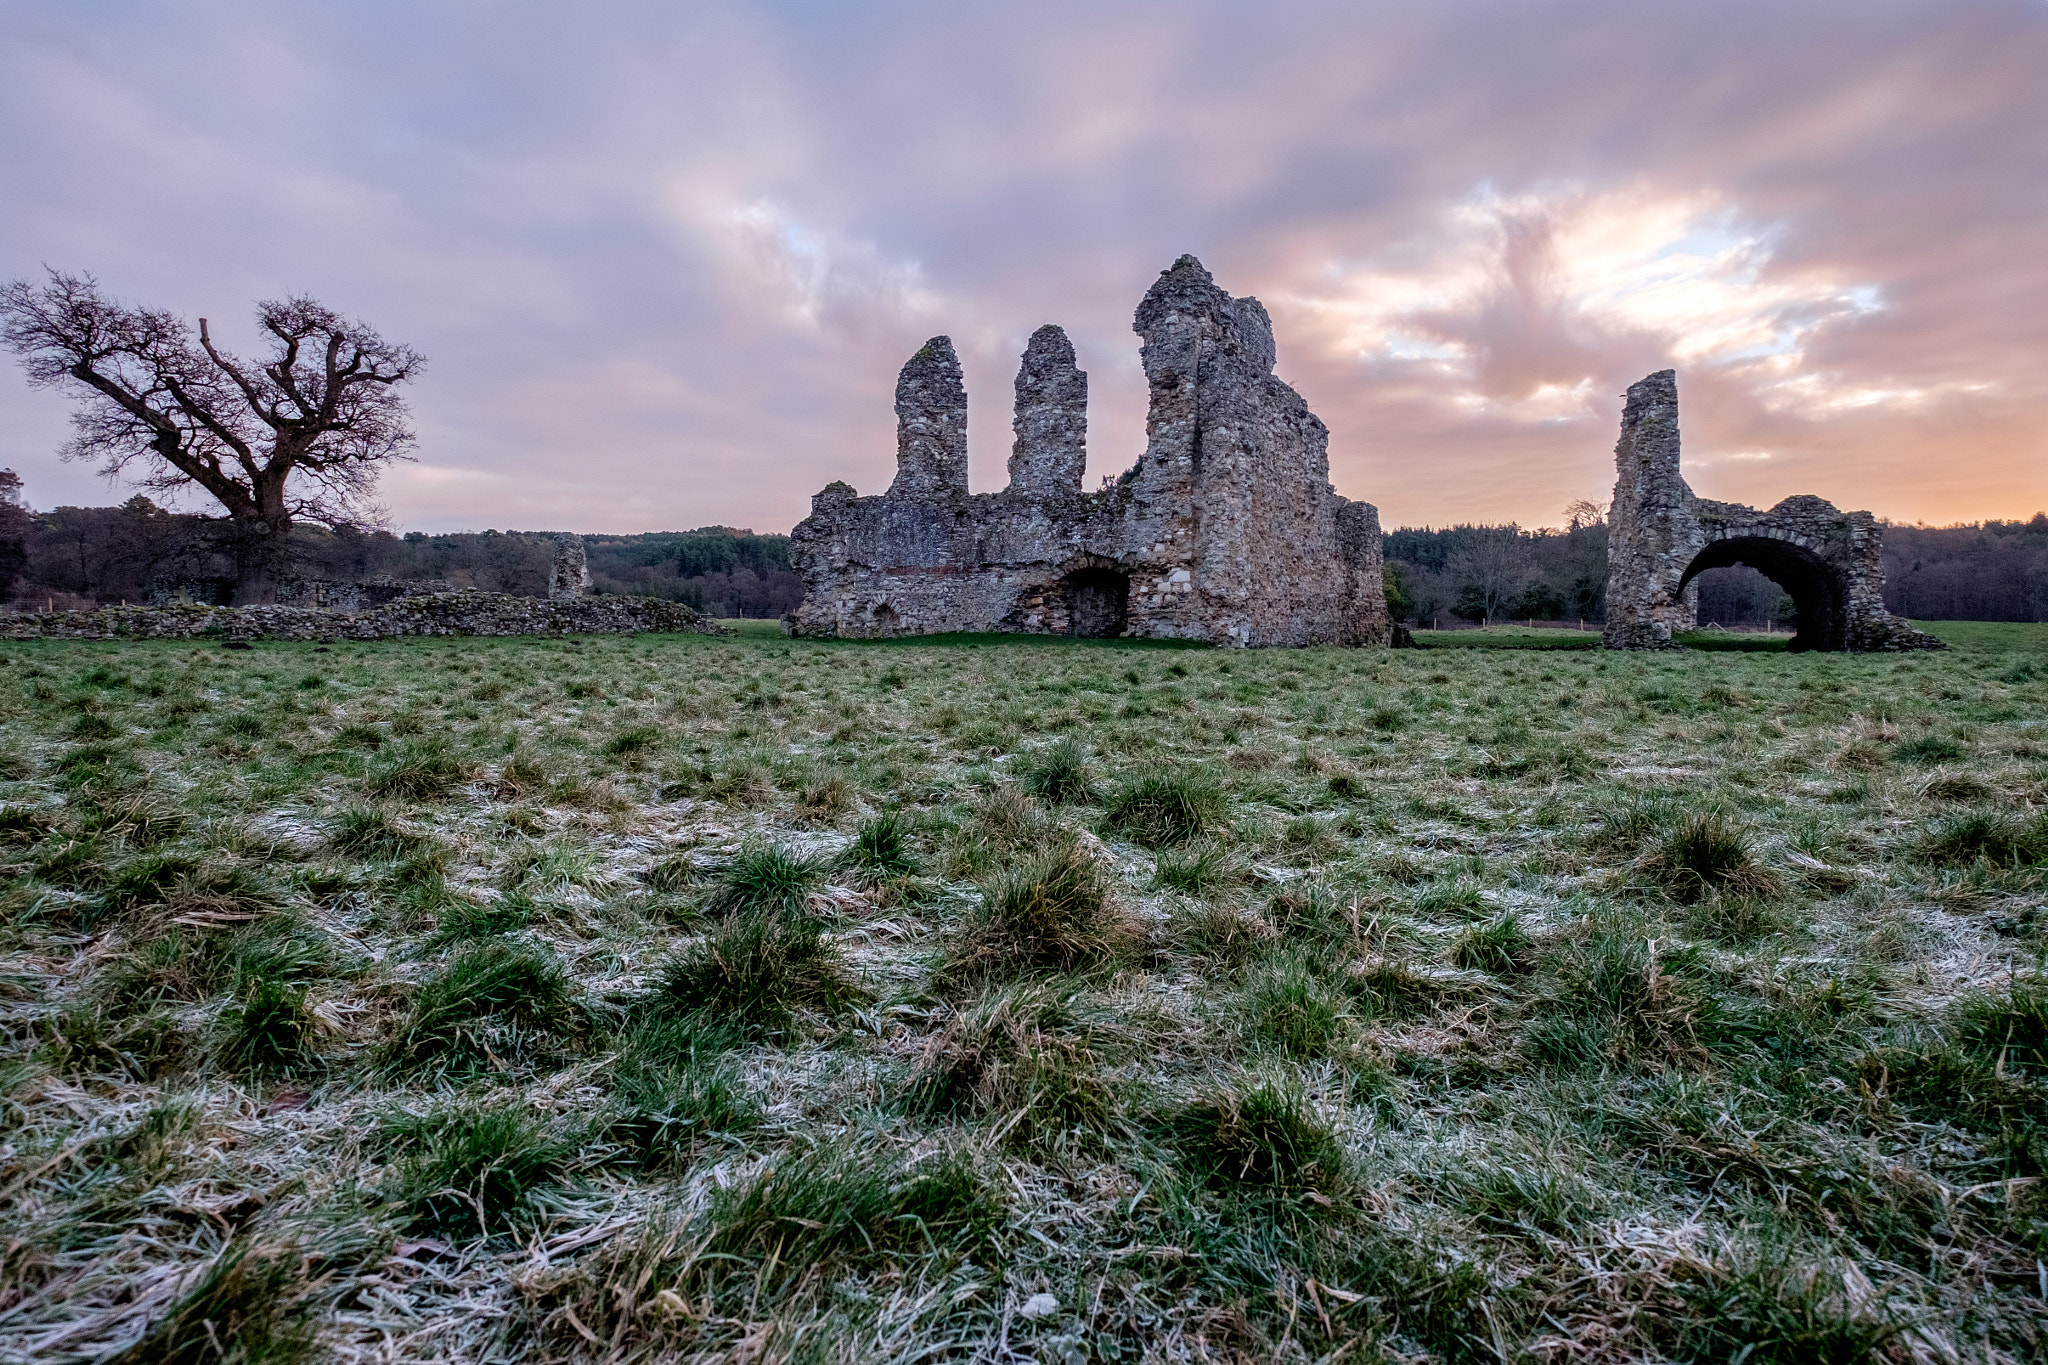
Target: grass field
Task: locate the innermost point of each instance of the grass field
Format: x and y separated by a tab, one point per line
747	999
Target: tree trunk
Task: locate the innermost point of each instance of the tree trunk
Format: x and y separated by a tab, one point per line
262	550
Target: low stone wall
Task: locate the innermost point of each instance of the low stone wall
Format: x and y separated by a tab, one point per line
451	613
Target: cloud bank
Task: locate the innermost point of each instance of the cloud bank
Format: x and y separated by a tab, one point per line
666	260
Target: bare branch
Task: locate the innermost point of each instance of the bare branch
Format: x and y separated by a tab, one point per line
301	435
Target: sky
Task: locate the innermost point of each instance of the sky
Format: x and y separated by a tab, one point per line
665	260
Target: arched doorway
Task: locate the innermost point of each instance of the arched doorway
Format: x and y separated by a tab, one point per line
1815	588
885	619
1096	601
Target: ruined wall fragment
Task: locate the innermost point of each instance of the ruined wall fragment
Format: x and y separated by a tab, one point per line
1661	537
931	426
1051	423
1225	530
570	576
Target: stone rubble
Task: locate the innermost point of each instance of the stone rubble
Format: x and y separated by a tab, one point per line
454	613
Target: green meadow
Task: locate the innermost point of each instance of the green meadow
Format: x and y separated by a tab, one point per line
674	999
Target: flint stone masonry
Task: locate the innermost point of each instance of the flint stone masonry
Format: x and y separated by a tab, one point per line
329	594
931	427
1051	450
1226	529
1661	537
570	577
454	613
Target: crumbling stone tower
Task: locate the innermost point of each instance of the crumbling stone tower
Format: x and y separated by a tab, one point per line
1660	537
570	576
1225	530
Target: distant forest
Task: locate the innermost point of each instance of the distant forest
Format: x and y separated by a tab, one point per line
81	556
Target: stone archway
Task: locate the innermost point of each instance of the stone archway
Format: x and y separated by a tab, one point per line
1097	602
1813	585
1660	537
884	620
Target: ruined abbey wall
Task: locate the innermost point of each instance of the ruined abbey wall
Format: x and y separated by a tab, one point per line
1661	537
1226	530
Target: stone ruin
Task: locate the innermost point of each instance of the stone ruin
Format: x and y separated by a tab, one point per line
1661	537
323	594
570	576
1226	529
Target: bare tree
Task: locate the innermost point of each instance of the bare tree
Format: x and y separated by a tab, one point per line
1491	568
300	435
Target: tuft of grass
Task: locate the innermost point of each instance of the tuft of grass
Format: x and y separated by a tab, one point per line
1957	787
2010	1026
881	847
1167	806
270	1032
252	1306
1991	837
757	969
1053	912
462	917
672	875
24	824
1221	933
1775	1305
847	1204
1526	1197
1928	749
1294	1003
146	881
632	742
418	770
1016	1056
1197	869
1620	994
824	800
1500	946
1705	854
468	1174
745	782
370	832
1060	772
497	1004
673	1091
1256	1132
1737	919
138	819
359	736
765	878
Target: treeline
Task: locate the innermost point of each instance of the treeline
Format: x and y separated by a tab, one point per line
1994	571
1997	571
1497	573
83	556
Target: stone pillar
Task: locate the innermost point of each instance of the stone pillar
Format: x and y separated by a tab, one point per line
1362	549
931	426
1051	451
1652	532
571	576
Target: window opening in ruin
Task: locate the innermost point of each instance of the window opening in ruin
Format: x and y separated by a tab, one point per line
1096	599
1816	590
